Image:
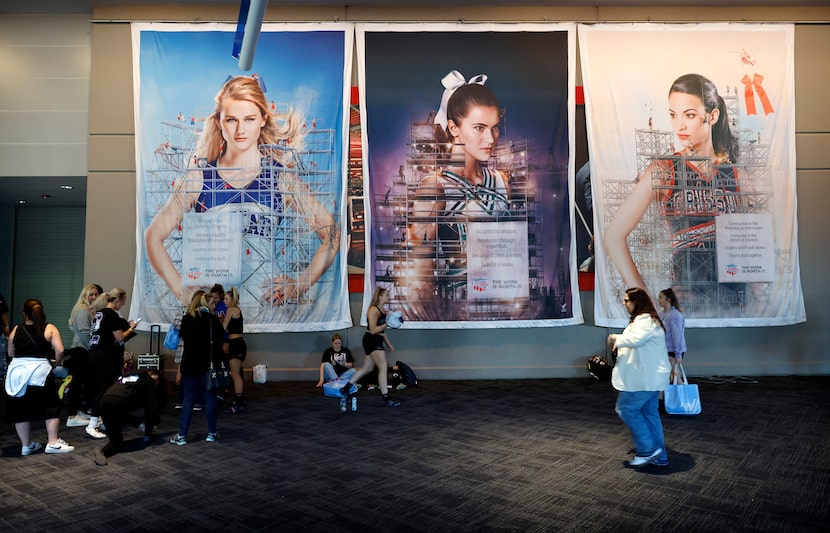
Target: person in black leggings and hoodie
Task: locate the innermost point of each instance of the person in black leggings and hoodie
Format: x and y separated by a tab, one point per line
145	390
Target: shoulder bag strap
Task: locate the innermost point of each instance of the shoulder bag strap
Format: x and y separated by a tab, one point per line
682	374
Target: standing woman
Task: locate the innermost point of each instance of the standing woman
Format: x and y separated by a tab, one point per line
30	385
675	324
640	374
237	349
201	332
106	349
80	322
375	343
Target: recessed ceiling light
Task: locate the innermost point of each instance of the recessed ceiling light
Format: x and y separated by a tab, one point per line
45	196
66	187
21	201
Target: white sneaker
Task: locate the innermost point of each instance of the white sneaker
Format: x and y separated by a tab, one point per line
59	446
31	448
95	434
76	421
642	460
82	414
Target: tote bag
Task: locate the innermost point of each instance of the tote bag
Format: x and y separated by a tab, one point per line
260	373
171	340
333	388
682	398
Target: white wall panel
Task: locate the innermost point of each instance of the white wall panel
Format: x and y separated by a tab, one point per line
44	95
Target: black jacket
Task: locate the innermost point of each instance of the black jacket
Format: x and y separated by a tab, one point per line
202	336
139	391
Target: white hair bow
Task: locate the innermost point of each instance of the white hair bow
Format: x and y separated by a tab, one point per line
451	83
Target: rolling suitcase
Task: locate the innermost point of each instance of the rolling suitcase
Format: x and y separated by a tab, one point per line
153	358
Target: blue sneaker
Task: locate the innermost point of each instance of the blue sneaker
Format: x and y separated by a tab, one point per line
31	448
343	405
212	437
179	440
348	390
657	461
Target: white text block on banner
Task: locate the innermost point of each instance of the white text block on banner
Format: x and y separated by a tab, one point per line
497	260
211	249
746	251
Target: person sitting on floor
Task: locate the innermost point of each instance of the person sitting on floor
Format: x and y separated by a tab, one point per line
337	362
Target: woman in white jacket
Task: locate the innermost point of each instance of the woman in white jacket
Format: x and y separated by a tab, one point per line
641	372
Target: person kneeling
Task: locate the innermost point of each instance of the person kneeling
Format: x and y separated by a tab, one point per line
143	390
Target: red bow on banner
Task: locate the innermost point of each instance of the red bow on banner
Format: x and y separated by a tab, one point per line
755	82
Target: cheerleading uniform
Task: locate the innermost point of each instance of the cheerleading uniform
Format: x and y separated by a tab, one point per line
690	200
260	205
465	200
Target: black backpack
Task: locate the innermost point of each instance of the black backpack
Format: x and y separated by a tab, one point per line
402	373
599	368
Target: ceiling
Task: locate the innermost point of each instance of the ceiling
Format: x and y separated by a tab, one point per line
43	191
85	6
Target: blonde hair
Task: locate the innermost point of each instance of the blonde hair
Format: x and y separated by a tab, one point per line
279	127
376	296
83	302
108	297
197	301
234	297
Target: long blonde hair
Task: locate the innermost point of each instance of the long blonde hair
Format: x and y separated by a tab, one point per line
234	297
278	127
82	303
376	296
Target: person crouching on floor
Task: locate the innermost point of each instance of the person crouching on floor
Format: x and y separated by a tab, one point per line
144	390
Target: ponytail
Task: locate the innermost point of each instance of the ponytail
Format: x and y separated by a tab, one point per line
33	310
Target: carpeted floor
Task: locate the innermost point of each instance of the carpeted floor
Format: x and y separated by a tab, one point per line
535	455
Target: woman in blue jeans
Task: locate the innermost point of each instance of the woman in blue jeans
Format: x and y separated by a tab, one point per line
641	372
201	333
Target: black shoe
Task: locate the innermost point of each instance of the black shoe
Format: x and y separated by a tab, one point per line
100	458
391	403
348	389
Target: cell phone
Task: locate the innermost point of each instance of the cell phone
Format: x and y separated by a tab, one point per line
137	320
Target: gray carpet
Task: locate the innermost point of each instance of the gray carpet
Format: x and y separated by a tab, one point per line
535	455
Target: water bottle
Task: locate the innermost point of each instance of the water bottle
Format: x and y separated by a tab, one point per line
354	403
343	405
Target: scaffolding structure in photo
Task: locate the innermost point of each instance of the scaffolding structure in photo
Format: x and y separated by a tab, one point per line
428	278
278	241
674	245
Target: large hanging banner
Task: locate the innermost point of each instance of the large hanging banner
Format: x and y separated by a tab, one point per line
468	135
692	150
241	176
